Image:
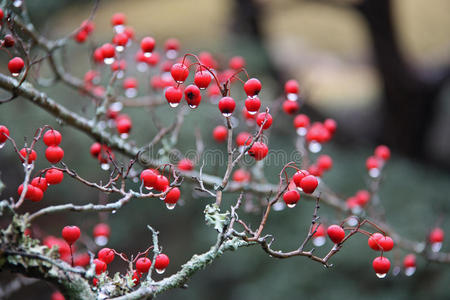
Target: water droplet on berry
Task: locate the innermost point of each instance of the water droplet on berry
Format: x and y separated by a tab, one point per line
120	74
379	275
131	93
147	54
142	67
15	74
119	28
292	97
120	48
171	54
410	271
114	211
116	106
2	145
299	189
160	271
174	104
105	166
374	173
170	206
352	221
435	247
319	241
193	106
252	112
314	147
101	240
226	114
17	3
108	60
291	205
149	188
279	206
301	131
396	270
124	136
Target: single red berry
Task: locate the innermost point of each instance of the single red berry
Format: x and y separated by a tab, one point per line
40	182
120	39
15	65
108	51
362	197
409	261
301	121
291	197
2	14
71	234
136	277
309	184
87	26
98	55
4	133
315	170
244	139
192	95
149	177
179	72
172	196
82	260
173	95
220	133
290	107
436	235
81	36
106	255
185	164
129	31
9	41
202	79
36	193
118	19
101	229
172	44
298	176
252	104
264	117
381	265
372	163
100	266
52	137
123	125
226	106
54	176
57	296
386	243
252	87
130	83
25	153
95	149
161	261
382	152
291	87
29	193
373	241
258	151
54	154
336	233
324	162
236	63
320	230
162	183
330	125
241	175
143	264
147	44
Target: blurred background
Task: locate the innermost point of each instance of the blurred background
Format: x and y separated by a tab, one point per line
379	67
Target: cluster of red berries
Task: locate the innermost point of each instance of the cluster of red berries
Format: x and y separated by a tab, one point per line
152	179
291	90
376	162
143	265
102	153
358	201
301	181
86	28
53	153
380	242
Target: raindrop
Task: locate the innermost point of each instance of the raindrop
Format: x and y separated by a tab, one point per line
142	67
319	241
101	240
226	114
379	275
179	81
314	147
120	74
135	180
292	97
124	136
193	106
356	210
131	93
396	270
2	145
299	189
352	221
119	28
435	247
149	188
147	54
108	60
120	48
116	106
160	271
15	74
291	205
301	131
170	206
410	271
374	173
174	104
279	206
17	3
105	166
114	211
252	112
171	54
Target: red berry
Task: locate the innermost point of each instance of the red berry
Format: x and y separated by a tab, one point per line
208	60
192	95
298	176
172	196
63	247
373	241
57	296
264	117
290	107
315	170
106	255
220	133
147	44
29	193
54	154
54	176
143	264
101	229
185	164
330	125
241	175
15	65
258	151
40	182
382	152
381	265
362	197
4	132
202	79
320	230
25	153
100	266
95	149
386	243
172	44
52	137
291	87
436	235
71	234
123	125
9	41
372	163
336	233
118	19
120	39
179	72
82	260
324	162
173	95
36	193
226	106
108	50
162	183
161	261
236	63
409	261
291	197
244	139
301	121
130	83
136	277
252	104
149	177
98	55
309	184
252	87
